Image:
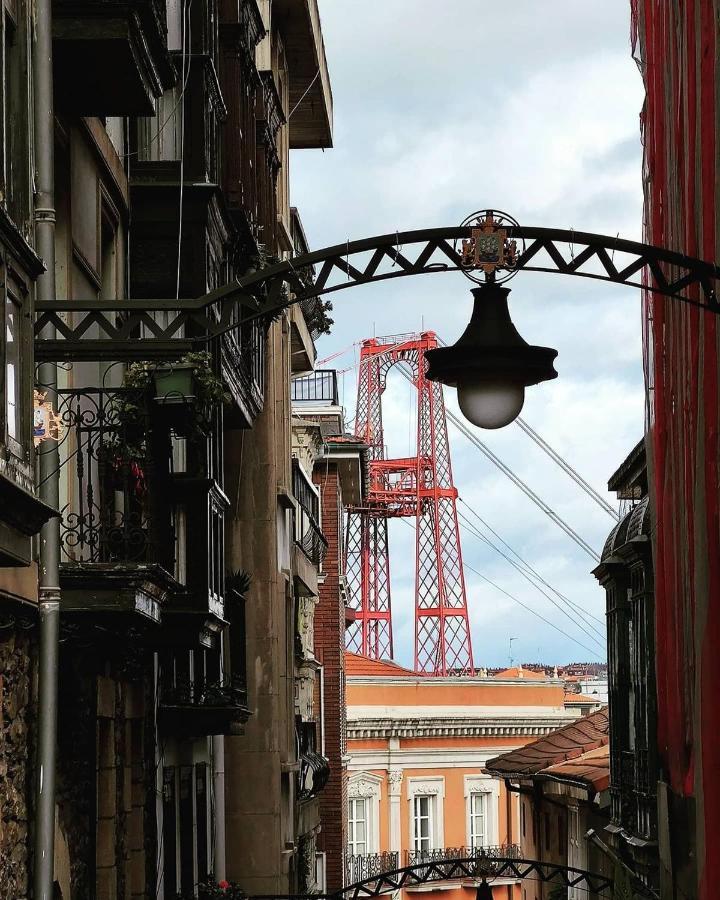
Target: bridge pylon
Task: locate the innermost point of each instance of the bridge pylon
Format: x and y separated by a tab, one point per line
419	487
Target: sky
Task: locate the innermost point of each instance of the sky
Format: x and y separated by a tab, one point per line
532	108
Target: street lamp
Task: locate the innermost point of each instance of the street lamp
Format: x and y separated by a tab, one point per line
490	364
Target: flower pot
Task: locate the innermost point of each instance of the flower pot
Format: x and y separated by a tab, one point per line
174	384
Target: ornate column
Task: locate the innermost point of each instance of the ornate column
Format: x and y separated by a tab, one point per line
395	777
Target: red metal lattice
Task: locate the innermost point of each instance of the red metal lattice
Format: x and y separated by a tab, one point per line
419	487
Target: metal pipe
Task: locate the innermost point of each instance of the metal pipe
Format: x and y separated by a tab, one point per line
49	580
218	751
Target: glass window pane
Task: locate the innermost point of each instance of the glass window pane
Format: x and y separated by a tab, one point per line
12	367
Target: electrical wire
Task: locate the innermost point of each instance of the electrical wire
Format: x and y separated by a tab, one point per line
307	91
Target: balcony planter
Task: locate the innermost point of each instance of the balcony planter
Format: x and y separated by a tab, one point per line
187	391
175	384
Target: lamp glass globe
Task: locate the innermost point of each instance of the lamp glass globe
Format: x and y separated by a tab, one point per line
490	403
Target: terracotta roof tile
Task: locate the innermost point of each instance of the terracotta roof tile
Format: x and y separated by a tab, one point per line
591	769
519	672
569	742
361	665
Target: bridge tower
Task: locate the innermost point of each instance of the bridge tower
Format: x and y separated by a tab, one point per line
420	488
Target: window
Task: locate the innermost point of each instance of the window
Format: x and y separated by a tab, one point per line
423	830
478	819
364	790
482	798
358	826
13	379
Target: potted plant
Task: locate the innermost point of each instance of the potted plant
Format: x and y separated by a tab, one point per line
187	390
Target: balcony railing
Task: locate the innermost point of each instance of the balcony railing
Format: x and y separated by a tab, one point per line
109	463
196	707
359	866
319	388
484	855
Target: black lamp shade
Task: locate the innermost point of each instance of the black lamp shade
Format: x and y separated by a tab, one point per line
491	348
484	891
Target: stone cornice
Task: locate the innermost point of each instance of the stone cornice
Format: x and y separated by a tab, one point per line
453	727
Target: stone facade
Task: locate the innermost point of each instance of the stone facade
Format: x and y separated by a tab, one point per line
17	720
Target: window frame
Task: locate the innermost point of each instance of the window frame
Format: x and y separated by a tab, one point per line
366	786
490	787
434	788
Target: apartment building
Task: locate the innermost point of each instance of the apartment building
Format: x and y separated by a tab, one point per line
418	747
171	126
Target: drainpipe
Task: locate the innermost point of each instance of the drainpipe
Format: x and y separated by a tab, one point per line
49	582
218	752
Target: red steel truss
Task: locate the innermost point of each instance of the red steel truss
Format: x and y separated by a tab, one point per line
419	487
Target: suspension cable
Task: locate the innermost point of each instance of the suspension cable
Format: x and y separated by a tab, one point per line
526	565
572	613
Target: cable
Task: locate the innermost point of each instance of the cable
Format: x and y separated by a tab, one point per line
307	91
516	480
524	605
564	465
572	615
526	564
531	610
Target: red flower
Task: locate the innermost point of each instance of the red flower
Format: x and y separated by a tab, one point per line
224	884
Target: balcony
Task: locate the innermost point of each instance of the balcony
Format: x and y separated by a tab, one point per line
310	93
483	855
319	388
359	866
314	768
242	360
110	58
116	539
306	526
198	699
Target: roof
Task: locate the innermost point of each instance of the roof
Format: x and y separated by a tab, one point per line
592	769
629	480
355	664
571	697
519	672
569	742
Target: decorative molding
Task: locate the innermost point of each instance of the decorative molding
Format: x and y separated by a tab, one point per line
364	785
426	786
450	727
395	779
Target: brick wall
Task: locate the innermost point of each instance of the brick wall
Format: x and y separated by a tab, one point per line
330	651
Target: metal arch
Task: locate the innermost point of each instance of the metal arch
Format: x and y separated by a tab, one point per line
143	329
475	867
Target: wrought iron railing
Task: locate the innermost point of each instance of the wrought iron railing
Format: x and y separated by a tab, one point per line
106	476
317	387
482	854
359	866
230	691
